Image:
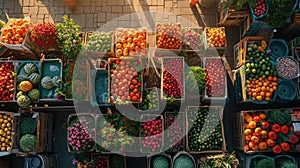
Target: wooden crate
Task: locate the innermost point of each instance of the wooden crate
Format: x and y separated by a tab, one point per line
98	54
220	108
232	17
110	100
214	50
14	70
14	129
163	51
141	30
162	96
245	26
43	132
78	115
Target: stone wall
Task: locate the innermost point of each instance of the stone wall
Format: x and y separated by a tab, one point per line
92	14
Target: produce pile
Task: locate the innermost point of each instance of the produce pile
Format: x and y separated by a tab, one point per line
195	80
131	42
101	162
172	84
215	77
152	133
206	131
125	80
43	36
261	74
6	130
287	67
81	133
115	133
28	80
160	161
168	36
260	8
192	38
149	100
184	160
7	87
279	12
15	31
99	42
271	130
221	160
215	37
176	127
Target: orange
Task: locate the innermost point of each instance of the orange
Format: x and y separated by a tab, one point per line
263	88
265	84
267	98
274	87
268	94
259	98
271	90
262	93
260	83
270	78
274	78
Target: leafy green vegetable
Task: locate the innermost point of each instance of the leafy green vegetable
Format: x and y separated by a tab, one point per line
279	12
27	125
219	161
195	80
28	142
285	163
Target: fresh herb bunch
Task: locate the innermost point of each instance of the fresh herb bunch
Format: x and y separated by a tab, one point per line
69	38
219	161
195	80
44	36
279	12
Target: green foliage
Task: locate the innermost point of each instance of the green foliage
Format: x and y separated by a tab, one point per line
279	12
69	38
28	142
195	80
279	117
238	4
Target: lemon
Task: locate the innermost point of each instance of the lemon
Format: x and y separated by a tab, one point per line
8	132
3	125
2	148
7	141
2	139
8	137
4	144
1	120
9	119
0	115
8	148
1	132
8	125
5	121
9	128
5	116
5	129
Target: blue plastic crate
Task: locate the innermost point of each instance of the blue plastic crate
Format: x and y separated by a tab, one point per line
278	47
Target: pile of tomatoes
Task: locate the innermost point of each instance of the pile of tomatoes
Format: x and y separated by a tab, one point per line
125	80
6	81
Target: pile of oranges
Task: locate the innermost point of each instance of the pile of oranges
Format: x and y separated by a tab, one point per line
131	42
215	37
15	31
262	89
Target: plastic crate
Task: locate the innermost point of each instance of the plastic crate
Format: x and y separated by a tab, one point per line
186	154
99	88
197	30
51	68
188	126
260	16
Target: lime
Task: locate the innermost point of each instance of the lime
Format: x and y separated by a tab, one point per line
263	67
248	65
263	60
267	73
248	70
252	64
253	70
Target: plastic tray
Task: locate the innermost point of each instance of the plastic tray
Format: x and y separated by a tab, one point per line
51	67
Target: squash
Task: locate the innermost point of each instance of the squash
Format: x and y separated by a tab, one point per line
23	101
25	86
47	82
21	77
34	94
34	78
30	68
20	93
56	80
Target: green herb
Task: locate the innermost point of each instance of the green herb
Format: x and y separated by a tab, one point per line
279	12
195	80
